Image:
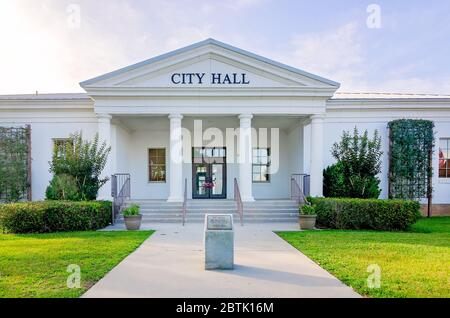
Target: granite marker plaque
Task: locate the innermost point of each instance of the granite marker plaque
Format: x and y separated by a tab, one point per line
219	241
219	222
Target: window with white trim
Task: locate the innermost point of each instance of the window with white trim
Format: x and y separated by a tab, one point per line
444	158
261	165
157	165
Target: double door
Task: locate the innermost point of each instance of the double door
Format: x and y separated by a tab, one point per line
209	173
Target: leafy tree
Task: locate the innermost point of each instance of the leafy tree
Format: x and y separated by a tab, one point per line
358	164
84	161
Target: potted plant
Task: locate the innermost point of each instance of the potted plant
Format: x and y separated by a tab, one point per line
307	217
132	217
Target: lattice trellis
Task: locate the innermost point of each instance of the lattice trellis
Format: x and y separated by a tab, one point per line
15	164
410	159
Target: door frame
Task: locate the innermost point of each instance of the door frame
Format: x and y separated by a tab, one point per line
209	175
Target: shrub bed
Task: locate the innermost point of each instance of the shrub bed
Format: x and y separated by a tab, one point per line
54	216
374	214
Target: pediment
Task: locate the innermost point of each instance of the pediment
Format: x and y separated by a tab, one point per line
211	65
210	70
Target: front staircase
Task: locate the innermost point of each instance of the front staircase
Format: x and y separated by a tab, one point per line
260	211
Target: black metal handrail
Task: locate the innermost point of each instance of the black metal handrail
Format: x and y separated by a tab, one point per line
184	208
238	199
120	190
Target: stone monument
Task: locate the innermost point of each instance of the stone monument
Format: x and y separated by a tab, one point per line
219	241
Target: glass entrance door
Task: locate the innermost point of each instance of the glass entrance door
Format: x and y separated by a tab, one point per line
209	173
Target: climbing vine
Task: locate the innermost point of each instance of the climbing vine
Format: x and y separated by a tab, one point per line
410	163
15	162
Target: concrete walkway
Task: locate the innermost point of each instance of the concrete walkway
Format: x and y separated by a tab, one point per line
170	264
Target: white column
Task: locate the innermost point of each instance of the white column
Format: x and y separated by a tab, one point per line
316	155
245	157
104	135
176	159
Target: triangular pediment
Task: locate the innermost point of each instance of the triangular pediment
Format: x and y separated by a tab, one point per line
209	64
209	70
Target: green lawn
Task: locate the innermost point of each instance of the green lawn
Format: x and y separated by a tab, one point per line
413	264
36	265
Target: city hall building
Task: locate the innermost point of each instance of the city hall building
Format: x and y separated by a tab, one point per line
210	90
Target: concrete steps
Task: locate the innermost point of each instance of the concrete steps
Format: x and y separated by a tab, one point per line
260	211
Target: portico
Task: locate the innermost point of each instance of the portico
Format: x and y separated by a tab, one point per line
269	117
202	148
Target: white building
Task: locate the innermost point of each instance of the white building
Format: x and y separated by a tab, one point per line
140	109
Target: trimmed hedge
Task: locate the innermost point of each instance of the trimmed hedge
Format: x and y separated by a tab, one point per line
373	214
54	216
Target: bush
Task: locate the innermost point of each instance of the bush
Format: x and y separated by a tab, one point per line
63	187
358	164
370	214
307	210
84	161
334	182
54	216
133	210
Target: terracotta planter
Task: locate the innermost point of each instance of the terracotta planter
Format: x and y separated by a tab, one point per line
307	222
133	222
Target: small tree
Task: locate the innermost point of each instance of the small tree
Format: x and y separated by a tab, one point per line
84	161
358	164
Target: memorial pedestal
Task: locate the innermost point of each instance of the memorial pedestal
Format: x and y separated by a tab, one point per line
219	241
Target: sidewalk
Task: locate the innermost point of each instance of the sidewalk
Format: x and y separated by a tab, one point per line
170	264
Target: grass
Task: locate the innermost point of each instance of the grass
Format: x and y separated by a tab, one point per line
35	265
413	264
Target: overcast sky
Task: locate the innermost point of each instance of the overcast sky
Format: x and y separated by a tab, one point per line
44	46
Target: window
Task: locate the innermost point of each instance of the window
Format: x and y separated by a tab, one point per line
261	165
60	145
157	165
209	155
444	158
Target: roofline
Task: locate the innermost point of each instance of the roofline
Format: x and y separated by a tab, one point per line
384	100
389	104
203	43
58	97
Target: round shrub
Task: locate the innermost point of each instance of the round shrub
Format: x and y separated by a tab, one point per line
63	187
333	181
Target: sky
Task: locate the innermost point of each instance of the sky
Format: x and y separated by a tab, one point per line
368	46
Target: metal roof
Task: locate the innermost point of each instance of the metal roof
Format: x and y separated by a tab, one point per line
379	95
60	96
